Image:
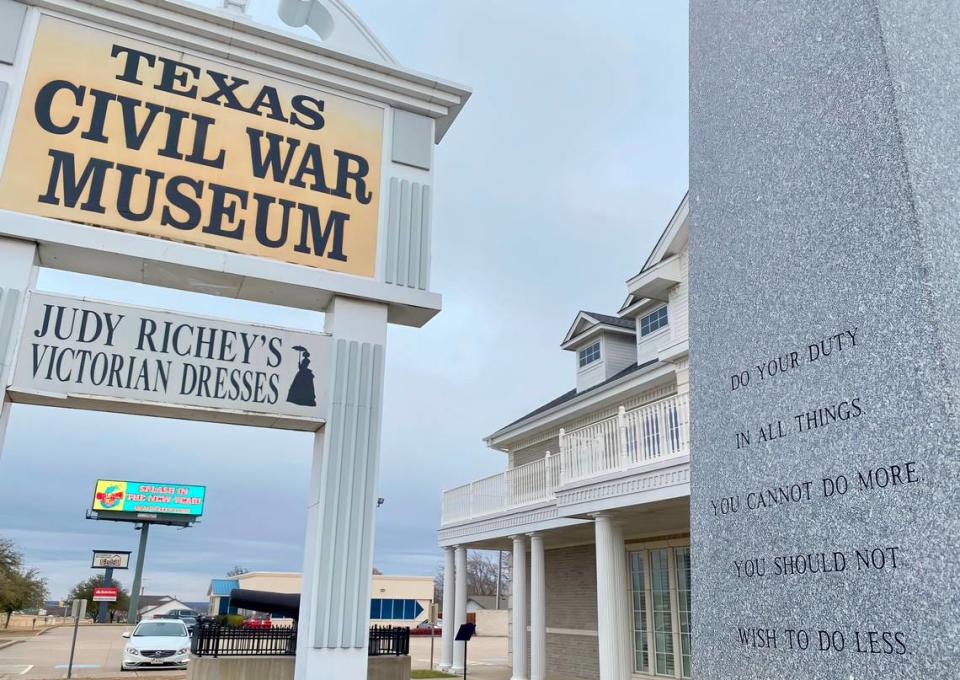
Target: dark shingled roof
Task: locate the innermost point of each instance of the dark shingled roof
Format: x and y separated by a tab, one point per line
569	396
613	320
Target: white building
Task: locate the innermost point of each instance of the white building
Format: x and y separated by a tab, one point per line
594	502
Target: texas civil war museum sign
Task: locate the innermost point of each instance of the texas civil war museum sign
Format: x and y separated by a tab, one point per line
190	147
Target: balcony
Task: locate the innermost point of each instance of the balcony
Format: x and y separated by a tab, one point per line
631	439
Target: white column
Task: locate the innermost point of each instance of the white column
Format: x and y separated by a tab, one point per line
611	600
538	610
624	600
519	608
449	612
460	608
18	274
338	552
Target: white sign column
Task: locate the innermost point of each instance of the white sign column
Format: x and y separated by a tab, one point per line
18	274
449	611
538	611
460	609
520	604
338	555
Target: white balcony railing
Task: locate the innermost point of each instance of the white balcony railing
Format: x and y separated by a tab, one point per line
653	432
649	433
523	485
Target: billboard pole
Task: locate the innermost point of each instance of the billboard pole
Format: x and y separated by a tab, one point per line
107	582
137	574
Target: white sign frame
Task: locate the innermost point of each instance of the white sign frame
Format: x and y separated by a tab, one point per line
205	33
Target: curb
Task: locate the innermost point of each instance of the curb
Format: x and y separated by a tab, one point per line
9	643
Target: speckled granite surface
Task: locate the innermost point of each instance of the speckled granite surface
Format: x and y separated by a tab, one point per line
824	331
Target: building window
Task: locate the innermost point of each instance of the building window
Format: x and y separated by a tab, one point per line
661	611
683	606
641	643
653	321
395	610
590	354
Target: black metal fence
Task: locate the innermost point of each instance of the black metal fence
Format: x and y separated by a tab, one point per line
389	641
210	639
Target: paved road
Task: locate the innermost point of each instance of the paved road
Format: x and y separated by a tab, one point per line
486	660
45	656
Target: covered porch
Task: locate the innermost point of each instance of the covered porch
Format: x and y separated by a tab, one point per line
606	595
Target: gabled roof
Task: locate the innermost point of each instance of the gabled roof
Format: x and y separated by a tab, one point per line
675	227
573	394
587	321
148	602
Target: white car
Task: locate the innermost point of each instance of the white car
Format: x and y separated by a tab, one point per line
163	643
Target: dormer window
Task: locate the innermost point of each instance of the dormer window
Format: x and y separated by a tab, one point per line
589	354
653	321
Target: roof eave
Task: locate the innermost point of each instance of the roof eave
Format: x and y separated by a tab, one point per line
656	371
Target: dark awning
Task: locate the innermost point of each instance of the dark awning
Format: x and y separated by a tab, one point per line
265	602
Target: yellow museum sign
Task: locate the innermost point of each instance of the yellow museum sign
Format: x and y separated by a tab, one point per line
124	134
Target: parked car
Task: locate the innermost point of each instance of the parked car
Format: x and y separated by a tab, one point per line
425	628
159	643
188	616
263	624
182	613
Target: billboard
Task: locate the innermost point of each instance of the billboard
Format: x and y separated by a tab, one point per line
154	498
128	135
103	356
111	559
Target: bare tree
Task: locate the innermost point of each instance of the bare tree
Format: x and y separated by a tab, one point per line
482	568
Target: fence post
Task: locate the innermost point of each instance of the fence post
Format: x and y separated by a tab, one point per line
664	426
548	476
622	427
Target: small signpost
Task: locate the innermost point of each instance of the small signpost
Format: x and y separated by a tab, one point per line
78	611
108	560
466	632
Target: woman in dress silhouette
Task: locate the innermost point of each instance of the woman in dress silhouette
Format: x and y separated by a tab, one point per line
301	390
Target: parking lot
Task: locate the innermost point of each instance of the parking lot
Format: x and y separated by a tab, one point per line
45	656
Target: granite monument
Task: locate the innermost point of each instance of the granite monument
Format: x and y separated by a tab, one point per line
825	338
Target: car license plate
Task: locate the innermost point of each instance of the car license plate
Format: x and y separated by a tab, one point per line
156	662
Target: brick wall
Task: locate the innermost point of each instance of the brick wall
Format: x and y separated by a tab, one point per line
571	575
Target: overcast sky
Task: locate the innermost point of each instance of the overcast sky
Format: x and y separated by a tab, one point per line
551	187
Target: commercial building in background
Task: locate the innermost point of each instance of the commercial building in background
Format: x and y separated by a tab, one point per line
594	502
394	600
